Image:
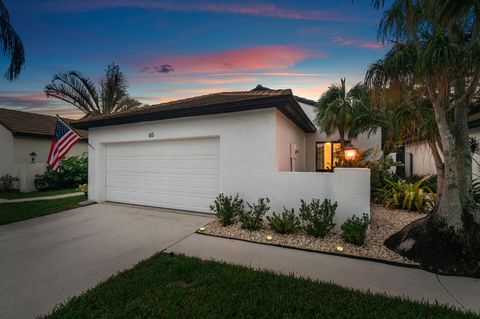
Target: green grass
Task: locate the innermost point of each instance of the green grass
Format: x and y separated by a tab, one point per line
17	195
14	212
182	287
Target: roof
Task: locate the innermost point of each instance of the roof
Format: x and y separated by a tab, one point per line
31	124
216	103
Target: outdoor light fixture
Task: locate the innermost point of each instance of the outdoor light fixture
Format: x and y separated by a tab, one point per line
33	155
350	153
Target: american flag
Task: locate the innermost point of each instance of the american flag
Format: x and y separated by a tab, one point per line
62	142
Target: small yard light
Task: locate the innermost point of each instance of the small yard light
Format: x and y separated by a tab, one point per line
350	153
202	228
33	155
269	238
340	248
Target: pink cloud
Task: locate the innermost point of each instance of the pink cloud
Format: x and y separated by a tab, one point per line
226	80
281	74
357	43
246	59
260	10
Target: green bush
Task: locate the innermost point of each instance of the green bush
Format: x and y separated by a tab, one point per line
409	196
6	182
380	172
286	223
252	218
318	218
354	229
227	208
73	171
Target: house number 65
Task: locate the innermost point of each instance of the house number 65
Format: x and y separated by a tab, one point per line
151	134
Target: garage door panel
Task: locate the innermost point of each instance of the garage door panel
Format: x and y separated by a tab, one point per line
181	174
150	183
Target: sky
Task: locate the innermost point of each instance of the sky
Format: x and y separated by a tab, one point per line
177	49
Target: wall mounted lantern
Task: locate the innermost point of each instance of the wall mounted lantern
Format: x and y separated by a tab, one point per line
33	155
350	153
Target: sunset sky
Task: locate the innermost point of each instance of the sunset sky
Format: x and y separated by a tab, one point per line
177	49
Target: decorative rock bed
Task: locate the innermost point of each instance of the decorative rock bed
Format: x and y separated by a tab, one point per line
384	222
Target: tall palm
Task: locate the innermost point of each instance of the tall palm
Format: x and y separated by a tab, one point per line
440	58
79	91
335	110
10	45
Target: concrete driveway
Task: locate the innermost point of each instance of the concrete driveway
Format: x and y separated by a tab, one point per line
45	260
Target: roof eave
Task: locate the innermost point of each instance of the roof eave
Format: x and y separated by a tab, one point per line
285	103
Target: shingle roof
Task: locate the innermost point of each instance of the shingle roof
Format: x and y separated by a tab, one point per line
31	124
215	103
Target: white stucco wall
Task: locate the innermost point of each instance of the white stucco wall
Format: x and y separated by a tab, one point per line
422	160
248	163
288	133
362	142
6	153
41	146
15	157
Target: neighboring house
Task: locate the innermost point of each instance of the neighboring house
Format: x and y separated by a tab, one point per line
258	143
419	155
25	139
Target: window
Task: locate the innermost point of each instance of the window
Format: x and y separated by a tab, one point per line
326	157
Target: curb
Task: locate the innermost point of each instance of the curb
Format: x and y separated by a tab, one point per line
382	261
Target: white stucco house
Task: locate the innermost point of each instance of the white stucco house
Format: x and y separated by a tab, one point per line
258	143
23	134
419	155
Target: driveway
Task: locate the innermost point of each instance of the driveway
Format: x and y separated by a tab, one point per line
45	260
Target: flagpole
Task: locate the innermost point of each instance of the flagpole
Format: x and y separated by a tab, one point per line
68	125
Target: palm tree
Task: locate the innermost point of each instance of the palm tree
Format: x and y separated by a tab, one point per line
79	91
439	58
335	110
11	45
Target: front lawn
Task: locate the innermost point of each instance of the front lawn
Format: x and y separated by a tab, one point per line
167	286
14	212
17	195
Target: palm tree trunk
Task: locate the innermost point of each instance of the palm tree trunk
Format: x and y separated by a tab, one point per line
443	241
439	168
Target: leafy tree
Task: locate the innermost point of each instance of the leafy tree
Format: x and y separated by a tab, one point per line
336	108
79	91
10	44
436	55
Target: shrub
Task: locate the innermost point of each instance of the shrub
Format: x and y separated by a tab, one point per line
286	223
73	171
380	172
83	188
409	196
227	208
354	229
318	218
6	182
252	218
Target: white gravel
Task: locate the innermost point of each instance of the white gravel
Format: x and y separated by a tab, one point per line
384	222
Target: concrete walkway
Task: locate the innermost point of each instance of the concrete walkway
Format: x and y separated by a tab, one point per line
415	284
31	199
46	260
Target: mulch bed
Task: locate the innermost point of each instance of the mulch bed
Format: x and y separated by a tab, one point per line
384	222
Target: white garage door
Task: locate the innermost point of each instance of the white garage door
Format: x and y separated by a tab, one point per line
180	174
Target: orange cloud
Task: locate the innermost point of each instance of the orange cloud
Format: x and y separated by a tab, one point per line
245	59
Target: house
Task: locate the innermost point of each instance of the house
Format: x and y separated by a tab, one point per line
419	159
258	143
25	138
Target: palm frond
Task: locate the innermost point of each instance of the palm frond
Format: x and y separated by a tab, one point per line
11	45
